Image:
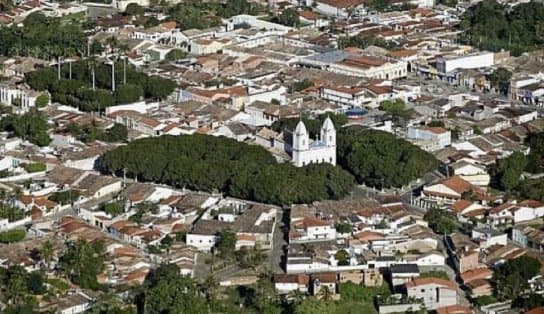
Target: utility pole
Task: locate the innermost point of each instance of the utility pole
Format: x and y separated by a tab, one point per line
112	75
125	70
58	67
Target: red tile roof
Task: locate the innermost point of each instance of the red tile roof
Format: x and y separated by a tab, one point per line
460	205
454	309
431	281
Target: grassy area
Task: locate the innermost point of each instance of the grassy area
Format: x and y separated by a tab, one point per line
58	283
435	274
353	292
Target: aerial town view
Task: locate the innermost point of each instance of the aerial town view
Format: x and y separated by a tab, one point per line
272	156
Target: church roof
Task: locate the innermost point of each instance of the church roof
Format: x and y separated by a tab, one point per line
301	128
328	125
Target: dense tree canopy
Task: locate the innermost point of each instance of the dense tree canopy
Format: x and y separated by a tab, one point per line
535	160
500	80
78	91
82	262
210	163
167	291
202	14
31	126
493	26
18	288
312	125
42	37
380	159
507	172
511	278
441	221
363	42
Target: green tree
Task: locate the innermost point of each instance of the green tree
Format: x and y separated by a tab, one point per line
82	262
342	256
134	9
42	101
507	172
440	221
11	236
128	93
512	277
493	26
380	5
175	54
396	107
167	291
240	170
226	243
110	303
343	227
500	79
31	126
34	283
380	159
117	133
289	17
114	209
64	197
47	252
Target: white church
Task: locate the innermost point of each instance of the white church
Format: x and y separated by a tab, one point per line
305	151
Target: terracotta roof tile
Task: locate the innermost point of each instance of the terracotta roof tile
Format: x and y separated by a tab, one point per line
430	280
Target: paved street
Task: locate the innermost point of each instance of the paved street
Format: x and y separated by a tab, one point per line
276	254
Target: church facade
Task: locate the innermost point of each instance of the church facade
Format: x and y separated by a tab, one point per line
305	151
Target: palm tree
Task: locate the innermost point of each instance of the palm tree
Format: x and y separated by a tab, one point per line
91	62
325	293
209	287
112	43
69	53
107	303
122	50
296	296
47	250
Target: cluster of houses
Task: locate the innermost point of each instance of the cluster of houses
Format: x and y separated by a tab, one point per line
235	81
371	243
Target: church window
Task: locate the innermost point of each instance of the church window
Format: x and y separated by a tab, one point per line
330	138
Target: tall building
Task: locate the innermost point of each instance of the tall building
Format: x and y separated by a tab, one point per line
305	151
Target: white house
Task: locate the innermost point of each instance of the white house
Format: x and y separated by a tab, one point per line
487	237
347	96
289	283
512	212
434	292
470	172
312	229
437	137
433	258
338	9
449	190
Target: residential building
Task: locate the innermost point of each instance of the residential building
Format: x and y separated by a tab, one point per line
434	292
430	138
312	229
